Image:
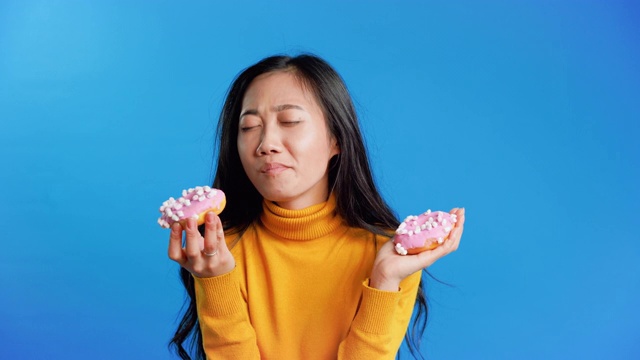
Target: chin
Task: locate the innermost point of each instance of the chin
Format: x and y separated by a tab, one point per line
276	196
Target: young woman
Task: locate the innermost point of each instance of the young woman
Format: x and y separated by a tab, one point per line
298	266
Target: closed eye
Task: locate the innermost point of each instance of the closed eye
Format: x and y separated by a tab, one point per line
290	123
248	128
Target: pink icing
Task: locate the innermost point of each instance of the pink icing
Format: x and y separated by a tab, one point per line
415	231
192	203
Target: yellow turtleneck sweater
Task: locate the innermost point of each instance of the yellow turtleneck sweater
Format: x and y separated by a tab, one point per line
300	291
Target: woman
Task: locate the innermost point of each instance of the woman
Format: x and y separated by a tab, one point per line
298	265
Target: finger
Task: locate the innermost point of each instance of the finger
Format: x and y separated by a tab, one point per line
454	239
460	218
452	243
453	211
175	244
194	239
427	258
210	233
222	242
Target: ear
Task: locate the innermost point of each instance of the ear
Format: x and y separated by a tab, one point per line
335	148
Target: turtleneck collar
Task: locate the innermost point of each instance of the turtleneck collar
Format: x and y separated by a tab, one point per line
305	224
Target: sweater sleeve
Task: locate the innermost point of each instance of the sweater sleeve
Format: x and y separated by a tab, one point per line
224	320
381	322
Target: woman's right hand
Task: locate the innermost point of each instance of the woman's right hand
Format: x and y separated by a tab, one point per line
202	257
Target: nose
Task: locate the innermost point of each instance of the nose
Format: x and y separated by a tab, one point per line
270	142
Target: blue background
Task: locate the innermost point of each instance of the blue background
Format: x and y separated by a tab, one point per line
525	113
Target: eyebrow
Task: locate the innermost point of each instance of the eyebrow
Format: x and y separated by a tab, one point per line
277	108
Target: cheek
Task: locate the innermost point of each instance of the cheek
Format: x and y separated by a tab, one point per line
244	144
317	149
244	152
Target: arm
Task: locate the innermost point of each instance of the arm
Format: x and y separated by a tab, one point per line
224	321
387	303
222	310
381	322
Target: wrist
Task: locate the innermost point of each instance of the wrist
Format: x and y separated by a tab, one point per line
384	283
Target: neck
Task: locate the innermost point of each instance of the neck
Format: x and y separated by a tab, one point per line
301	224
305	200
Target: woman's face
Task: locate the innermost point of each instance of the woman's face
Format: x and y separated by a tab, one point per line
283	141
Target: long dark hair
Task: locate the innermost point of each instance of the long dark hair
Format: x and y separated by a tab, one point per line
350	178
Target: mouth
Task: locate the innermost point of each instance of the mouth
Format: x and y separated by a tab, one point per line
273	168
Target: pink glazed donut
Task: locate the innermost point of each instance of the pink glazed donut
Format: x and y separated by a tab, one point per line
423	232
194	203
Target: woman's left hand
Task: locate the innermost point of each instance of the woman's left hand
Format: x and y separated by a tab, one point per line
390	268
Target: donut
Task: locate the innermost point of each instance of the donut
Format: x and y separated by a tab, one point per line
423	232
194	203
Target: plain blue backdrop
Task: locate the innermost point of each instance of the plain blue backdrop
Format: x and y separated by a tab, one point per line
526	113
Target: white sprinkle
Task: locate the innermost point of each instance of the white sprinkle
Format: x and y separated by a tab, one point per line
162	208
190	190
447	229
400	250
444	222
402	226
410	233
184	192
187	202
195	197
175	218
423	226
200	192
417	230
429	226
180	213
168	212
177	206
440	240
194	216
198	188
207	188
209	195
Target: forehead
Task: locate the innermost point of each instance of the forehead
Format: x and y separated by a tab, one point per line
279	87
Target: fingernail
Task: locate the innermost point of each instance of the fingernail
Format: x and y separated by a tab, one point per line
209	218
